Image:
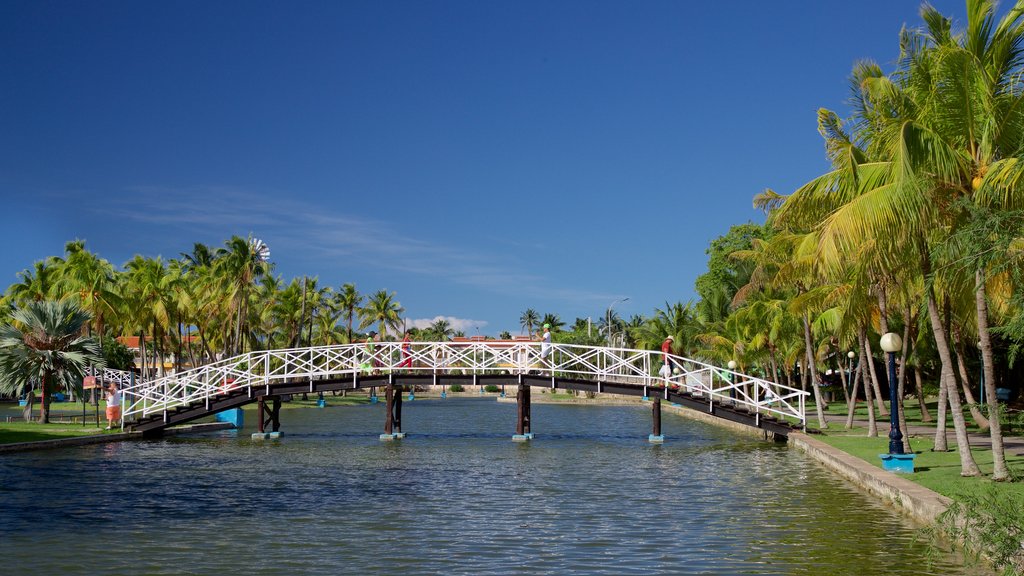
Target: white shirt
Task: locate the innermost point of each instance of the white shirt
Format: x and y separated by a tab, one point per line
545	343
114	400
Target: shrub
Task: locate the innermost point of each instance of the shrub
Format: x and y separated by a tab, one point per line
456	388
491	388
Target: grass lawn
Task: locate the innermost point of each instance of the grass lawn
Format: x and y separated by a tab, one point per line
938	471
12	432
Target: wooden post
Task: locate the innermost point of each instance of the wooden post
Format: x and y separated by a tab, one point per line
389	394
261	416
275	415
656	409
520	410
398	412
526	414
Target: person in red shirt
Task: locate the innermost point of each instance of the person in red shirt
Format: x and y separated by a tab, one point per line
406	352
666	349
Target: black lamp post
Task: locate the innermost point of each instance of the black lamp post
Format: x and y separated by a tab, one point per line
891	342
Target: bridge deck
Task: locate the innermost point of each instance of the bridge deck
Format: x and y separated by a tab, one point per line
234	398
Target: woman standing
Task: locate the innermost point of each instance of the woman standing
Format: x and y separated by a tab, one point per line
113	405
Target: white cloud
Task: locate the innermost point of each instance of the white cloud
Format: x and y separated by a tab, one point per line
464	324
303	227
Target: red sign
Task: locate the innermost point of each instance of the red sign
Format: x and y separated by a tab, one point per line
89	382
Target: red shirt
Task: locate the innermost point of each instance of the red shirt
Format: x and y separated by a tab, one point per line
666	347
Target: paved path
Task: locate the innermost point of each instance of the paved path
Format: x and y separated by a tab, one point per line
921	436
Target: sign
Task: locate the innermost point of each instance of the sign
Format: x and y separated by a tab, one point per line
89	382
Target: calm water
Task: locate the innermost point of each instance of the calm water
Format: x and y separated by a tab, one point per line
588	496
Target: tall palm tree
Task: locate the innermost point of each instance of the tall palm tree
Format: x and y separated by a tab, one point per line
147	307
554	321
89	279
45	344
36	283
239	264
441	329
382	309
528	320
349	300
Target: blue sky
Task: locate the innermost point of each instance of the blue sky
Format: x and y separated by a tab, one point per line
476	158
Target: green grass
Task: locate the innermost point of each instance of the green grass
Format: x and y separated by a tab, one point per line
938	471
13	432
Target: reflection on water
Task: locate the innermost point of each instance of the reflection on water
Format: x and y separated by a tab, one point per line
457	496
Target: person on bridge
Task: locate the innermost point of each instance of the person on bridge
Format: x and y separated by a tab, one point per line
545	346
113	405
669	365
406	351
369	362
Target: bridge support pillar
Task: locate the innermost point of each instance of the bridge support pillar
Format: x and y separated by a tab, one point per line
523	414
268	415
393	415
656	436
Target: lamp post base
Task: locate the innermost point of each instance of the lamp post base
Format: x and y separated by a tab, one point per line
898	463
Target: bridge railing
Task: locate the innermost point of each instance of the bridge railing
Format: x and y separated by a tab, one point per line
621	365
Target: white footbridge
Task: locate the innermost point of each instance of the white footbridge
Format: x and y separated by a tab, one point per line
241	379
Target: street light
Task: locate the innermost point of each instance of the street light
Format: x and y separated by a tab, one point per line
851	355
608	319
891	342
732	391
981	390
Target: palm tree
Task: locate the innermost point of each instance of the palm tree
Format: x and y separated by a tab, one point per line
147	309
528	320
239	264
383	309
441	330
89	279
349	300
553	321
45	344
36	284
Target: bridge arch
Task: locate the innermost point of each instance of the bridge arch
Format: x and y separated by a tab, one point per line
153	405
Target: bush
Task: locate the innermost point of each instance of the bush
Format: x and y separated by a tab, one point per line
456	388
491	388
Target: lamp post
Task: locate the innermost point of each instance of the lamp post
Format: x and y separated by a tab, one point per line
732	391
981	391
891	342
851	355
608	319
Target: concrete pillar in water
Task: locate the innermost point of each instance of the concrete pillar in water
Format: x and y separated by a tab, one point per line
523	414
656	437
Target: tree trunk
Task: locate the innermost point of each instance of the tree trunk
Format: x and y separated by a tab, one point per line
819	403
44	403
842	377
926	415
30	402
883	324
901	379
865	356
882	412
965	382
968	467
851	405
999	470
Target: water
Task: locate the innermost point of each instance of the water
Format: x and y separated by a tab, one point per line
588	496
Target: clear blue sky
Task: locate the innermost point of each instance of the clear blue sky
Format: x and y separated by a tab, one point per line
477	158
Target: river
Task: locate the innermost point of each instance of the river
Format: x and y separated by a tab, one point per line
589	495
